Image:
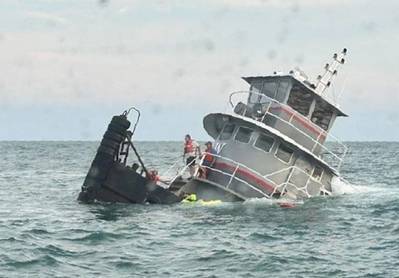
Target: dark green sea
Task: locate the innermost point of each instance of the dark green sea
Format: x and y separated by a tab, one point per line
45	232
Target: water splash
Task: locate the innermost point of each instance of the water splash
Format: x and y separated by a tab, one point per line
340	186
259	202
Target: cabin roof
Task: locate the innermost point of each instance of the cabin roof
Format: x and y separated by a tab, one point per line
305	83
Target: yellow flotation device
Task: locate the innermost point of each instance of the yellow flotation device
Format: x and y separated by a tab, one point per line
192	198
209	203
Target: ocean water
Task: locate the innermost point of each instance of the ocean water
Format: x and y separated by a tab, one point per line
45	232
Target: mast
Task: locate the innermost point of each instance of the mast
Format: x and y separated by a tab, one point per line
331	70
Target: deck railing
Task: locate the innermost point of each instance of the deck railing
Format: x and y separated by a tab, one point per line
337	156
236	167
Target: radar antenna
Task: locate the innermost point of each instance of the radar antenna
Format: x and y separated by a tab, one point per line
324	81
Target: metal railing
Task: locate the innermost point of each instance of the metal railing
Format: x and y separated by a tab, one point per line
337	156
175	167
280	189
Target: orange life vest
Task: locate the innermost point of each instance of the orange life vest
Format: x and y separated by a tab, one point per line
208	156
189	146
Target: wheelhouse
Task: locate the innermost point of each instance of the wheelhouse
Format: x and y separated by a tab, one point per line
298	95
291	105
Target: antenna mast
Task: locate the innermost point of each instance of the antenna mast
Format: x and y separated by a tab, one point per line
324	81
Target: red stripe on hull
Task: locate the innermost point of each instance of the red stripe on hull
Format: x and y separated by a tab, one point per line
306	123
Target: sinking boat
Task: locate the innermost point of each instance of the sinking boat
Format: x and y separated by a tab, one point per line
111	179
275	143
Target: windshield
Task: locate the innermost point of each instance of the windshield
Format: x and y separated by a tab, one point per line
254	95
262	92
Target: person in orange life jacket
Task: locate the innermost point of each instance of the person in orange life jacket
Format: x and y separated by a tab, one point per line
209	158
191	151
209	154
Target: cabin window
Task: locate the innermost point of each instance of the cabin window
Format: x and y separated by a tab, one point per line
282	90
256	87
243	135
227	132
322	114
264	99
269	89
264	142
284	153
317	172
300	99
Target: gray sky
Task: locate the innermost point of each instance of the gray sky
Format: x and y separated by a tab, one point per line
69	65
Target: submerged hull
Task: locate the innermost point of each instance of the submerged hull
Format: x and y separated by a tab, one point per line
110	180
123	185
208	191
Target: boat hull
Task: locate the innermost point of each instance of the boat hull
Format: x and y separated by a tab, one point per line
208	191
110	180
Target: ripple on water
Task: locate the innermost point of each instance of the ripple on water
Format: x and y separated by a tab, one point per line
98	236
43	230
45	260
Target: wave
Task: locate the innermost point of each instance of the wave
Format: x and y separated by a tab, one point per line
287	203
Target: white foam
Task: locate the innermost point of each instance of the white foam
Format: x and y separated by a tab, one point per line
270	202
340	186
258	201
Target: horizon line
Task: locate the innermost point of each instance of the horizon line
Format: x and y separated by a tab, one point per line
201	140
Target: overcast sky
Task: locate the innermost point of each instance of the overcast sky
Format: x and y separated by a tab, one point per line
67	66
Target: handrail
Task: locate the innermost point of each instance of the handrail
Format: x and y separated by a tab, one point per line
259	174
266	177
172	166
289	122
182	171
236	178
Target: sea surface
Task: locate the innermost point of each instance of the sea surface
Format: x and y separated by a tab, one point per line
45	232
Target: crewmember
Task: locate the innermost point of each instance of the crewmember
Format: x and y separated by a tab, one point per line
135	167
209	158
153	176
191	151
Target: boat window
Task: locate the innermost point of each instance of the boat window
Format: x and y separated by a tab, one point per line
243	135
322	114
317	172
227	132
264	99
303	163
256	87
269	89
282	90
300	99
264	142
284	153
